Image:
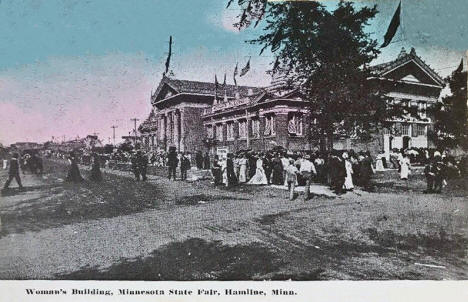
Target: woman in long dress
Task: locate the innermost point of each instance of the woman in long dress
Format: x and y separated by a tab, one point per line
73	172
259	177
277	177
243	169
348	183
379	166
405	167
95	168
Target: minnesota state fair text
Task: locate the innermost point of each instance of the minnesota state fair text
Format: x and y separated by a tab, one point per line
162	292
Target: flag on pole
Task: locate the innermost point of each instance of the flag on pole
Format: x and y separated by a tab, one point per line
224	82
393	27
168	60
235	74
245	69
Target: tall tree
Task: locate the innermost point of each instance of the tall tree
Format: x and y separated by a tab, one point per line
451	114
327	54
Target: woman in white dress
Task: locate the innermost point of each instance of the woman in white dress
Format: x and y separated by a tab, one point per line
379	162
405	167
348	184
223	164
259	178
243	169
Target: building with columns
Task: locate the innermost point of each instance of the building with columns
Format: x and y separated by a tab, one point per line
178	108
192	116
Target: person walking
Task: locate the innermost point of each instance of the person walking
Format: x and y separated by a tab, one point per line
429	172
267	167
74	174
216	171
231	176
184	166
348	183
95	168
14	172
366	171
135	166
259	178
405	167
307	171
142	162
291	178
172	162
439	169
199	160
243	169
206	161
278	170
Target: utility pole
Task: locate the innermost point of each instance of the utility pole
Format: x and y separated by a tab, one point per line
113	132
135	120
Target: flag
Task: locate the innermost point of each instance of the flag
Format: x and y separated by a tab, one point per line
235	74
460	67
245	69
168	60
224	82
393	27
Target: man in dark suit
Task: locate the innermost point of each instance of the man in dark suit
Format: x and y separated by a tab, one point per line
14	172
172	162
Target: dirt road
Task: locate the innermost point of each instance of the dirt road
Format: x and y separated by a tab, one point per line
164	230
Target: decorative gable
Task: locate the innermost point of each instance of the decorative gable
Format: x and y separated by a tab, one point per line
409	68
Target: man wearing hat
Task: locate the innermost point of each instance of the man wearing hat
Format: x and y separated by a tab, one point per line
14	172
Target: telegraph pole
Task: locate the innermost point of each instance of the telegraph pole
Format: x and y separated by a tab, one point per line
135	120
113	132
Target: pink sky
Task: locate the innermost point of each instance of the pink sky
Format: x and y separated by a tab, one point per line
76	96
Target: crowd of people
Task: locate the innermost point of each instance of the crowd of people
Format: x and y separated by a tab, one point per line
341	170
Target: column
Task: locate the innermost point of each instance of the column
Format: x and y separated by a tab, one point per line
176	129
182	131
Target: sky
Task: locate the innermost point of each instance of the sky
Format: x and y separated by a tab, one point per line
69	68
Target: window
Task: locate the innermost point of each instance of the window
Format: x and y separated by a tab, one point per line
269	125
243	129
219	132
209	131
230	131
421	130
256	128
405	129
295	124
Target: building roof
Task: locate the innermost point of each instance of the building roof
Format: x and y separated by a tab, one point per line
197	87
149	124
403	58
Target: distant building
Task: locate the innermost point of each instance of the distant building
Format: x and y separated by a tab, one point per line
26	146
193	116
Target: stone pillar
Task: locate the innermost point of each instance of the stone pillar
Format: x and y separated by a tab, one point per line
182	131
168	130
249	130
164	131
176	127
